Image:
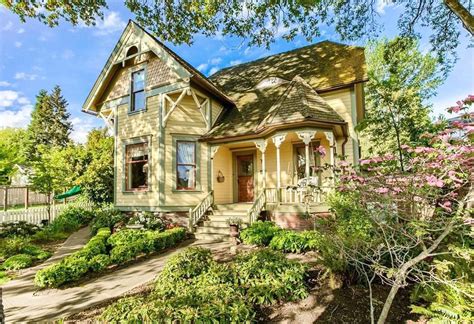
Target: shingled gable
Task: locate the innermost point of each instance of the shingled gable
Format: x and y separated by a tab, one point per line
132	34
300	103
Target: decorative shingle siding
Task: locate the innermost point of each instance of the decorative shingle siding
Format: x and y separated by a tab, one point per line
158	73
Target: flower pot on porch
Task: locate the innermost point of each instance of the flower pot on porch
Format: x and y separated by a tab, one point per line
234	230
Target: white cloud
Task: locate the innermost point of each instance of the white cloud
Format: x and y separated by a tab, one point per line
381	5
82	127
216	60
111	23
8	98
25	76
21	31
236	62
218	35
5	84
213	70
23	101
18	44
202	67
8	26
16	118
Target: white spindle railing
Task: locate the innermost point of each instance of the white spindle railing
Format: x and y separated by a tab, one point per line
196	213
257	207
304	195
271	195
35	215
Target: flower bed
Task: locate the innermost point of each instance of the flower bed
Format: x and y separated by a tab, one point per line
105	249
194	288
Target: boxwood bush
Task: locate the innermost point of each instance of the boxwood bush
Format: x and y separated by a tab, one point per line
193	288
105	249
259	233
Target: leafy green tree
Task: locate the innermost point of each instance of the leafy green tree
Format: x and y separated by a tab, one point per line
260	22
401	79
98	178
12	144
49	122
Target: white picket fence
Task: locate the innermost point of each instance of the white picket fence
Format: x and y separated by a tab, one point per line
35	215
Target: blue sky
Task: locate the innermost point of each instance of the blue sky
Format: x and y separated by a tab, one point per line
34	56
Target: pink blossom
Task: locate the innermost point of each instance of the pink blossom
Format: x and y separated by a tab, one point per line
364	162
434	182
381	190
446	206
321	150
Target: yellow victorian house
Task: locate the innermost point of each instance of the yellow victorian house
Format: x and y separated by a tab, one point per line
252	139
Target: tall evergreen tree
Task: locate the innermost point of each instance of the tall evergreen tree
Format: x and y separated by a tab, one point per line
49	124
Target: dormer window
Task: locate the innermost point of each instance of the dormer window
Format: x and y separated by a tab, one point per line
138	91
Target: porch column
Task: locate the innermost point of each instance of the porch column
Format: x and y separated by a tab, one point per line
213	150
277	140
306	137
262	146
332	145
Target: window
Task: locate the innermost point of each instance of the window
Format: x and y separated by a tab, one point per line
185	165
132	51
138	91
136	166
314	161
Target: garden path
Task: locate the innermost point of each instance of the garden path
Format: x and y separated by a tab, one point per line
24	304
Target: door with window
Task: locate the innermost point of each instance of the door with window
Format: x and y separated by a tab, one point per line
245	180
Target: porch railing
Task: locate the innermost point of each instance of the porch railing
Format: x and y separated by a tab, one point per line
298	195
257	207
196	213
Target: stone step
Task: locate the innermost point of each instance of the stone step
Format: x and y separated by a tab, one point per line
224	218
212	230
240	206
212	237
229	212
221	223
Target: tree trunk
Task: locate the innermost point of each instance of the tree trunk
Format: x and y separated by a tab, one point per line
388	304
462	13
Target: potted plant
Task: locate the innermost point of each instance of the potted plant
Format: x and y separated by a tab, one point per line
234	224
135	222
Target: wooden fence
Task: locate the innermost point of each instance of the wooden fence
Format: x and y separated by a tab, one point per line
35	215
23	196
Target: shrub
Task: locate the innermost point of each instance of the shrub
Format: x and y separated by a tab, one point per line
296	242
19	261
3	277
267	276
99	262
12	246
106	217
20	228
70	219
149	221
187	264
259	233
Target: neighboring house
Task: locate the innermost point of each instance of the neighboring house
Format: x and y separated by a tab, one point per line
245	139
20	176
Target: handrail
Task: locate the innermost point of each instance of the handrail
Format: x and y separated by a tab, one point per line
257	206
196	213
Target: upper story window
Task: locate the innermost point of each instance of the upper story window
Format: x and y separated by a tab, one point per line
136	167
185	165
138	91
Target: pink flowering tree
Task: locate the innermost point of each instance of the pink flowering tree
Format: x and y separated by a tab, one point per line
391	225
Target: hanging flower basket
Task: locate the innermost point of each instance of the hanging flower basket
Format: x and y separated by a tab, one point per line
220	177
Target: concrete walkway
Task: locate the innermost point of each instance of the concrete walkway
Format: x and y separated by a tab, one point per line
23	304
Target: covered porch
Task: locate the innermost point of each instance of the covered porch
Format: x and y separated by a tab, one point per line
289	167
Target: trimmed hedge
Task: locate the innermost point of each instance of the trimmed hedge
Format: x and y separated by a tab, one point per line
75	266
296	242
105	249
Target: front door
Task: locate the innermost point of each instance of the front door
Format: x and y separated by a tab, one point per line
245	184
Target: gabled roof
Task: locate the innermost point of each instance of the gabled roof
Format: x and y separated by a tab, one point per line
180	66
324	66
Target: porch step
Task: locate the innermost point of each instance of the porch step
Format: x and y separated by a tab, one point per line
228	213
239	206
212	230
221	223
224	218
212	237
